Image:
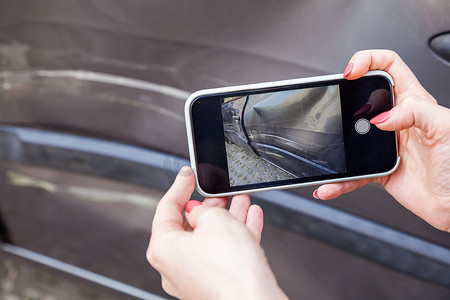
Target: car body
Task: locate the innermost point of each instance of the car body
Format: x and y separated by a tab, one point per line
92	133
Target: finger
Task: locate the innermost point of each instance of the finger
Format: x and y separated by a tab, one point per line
384	60
213	202
169	212
208	216
217	201
416	112
189	207
333	190
239	207
255	221
187	226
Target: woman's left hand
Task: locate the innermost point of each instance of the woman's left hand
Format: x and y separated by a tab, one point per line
216	253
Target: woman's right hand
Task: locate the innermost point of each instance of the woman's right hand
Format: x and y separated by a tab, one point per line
422	181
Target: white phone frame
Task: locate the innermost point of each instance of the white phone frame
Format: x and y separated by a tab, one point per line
272	84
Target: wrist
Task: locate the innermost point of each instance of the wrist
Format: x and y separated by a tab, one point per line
265	286
257	282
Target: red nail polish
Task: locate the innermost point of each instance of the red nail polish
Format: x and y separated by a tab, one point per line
348	70
191	204
381	118
315	195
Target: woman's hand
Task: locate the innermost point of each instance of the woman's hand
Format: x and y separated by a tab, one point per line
422	181
216	253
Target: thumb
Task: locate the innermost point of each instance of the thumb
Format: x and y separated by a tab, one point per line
416	112
169	213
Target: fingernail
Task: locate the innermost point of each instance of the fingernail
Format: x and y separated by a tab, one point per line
348	70
185	171
363	109
315	195
191	204
381	118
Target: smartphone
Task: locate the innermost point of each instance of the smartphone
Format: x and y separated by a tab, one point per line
290	133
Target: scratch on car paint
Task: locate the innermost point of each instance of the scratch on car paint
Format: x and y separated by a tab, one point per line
17	179
91	194
116	80
106	196
73	81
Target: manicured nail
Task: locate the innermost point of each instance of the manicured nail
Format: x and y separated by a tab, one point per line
348	70
381	118
315	195
191	204
363	109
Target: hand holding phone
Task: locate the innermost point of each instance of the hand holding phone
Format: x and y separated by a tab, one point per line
289	133
422	181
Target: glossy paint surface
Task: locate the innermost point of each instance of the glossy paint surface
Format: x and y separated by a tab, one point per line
91	106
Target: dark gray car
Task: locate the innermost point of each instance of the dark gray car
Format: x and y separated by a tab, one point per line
92	132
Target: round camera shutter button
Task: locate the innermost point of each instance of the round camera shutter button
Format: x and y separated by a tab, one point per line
362	126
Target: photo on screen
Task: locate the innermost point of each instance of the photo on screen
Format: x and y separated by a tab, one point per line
283	135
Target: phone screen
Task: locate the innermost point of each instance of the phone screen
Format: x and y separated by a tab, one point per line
287	135
283	135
